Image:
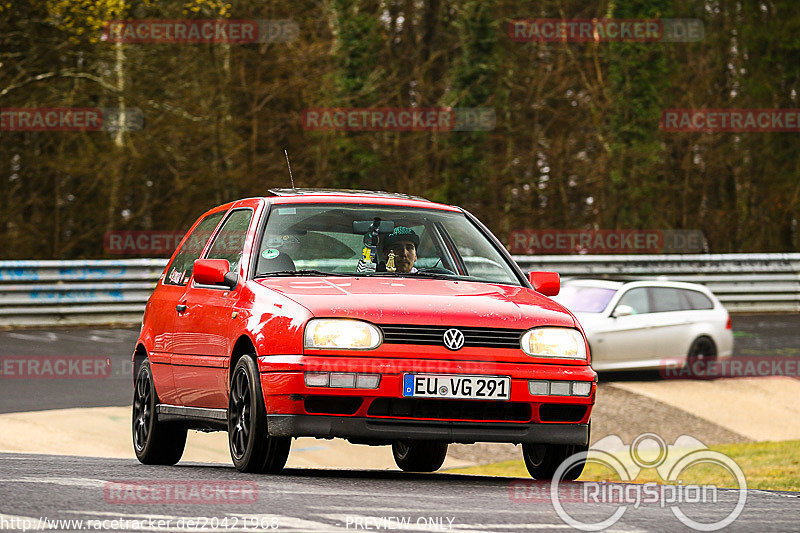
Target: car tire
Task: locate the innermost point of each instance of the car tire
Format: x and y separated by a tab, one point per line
251	447
419	456
542	460
702	351
155	443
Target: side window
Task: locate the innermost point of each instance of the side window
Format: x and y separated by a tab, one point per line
229	242
180	270
637	300
480	258
698	300
665	299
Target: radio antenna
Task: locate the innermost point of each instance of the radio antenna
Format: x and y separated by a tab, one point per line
290	167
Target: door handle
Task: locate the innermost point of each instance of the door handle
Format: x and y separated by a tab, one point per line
180	308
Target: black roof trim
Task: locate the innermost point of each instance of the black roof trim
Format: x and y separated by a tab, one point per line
338	192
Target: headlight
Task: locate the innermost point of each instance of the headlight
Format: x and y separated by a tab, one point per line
341	334
562	343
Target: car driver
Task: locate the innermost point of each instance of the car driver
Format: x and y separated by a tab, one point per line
402	243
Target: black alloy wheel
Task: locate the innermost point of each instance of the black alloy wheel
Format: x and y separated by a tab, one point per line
155	443
701	352
239	414
419	456
252	449
542	460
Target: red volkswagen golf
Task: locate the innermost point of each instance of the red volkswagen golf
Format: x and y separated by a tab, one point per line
379	318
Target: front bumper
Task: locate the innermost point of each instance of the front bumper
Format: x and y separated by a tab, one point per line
382	415
388	429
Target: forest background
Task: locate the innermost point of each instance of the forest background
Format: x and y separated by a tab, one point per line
576	145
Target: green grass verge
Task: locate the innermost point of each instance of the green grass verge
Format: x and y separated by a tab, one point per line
766	465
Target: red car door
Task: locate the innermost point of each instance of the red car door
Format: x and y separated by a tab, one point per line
203	341
164	305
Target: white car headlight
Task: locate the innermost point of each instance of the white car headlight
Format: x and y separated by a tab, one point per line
341	334
563	343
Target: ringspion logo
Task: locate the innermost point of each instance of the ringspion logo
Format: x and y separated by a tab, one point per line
647	451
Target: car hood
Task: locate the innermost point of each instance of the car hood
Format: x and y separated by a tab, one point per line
422	301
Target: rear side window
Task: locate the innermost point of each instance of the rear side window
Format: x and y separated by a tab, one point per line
180	270
665	299
637	299
229	242
698	300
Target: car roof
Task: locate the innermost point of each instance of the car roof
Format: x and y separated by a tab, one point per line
600	283
609	284
353	196
344	192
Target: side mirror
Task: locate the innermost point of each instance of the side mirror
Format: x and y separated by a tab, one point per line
622	310
547	283
214	272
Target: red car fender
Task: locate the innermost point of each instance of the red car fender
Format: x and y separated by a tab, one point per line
278	328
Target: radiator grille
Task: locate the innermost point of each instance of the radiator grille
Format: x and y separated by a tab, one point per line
434	336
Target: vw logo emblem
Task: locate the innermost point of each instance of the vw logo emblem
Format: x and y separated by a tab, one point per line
453	339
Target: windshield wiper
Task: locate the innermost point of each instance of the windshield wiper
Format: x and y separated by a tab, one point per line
298	273
434	275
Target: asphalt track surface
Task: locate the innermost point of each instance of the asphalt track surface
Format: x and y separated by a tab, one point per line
36	487
756	336
24	394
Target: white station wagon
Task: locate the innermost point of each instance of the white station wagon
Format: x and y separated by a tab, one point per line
645	324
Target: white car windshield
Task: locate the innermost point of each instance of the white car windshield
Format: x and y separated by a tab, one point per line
583	299
331	238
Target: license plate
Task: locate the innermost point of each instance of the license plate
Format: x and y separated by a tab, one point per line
457	387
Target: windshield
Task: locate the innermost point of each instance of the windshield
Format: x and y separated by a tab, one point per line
430	243
582	299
